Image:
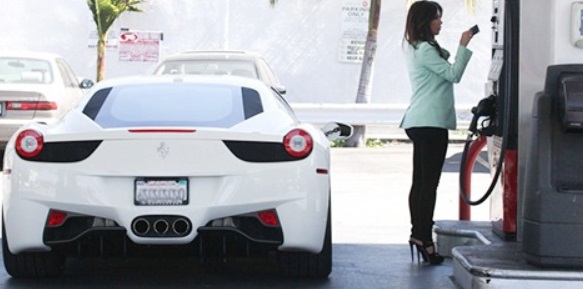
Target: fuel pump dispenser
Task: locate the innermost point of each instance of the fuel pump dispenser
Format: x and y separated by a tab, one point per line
495	118
541	225
553	187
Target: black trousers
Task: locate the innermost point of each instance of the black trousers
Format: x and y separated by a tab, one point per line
429	149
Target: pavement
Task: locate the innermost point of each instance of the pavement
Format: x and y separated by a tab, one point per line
370	189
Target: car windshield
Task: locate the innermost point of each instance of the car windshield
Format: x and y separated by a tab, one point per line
184	104
24	70
203	66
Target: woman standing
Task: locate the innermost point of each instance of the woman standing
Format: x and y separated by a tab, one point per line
430	115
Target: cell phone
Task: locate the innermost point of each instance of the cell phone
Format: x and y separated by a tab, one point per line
475	29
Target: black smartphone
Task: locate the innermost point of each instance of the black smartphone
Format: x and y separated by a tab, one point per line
475	29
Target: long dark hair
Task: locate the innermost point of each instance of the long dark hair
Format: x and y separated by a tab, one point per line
418	27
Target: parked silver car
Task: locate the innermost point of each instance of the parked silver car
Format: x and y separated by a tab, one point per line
241	63
35	86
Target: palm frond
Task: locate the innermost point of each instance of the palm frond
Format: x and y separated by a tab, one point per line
471	6
105	12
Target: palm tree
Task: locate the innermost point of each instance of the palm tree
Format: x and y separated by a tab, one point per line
105	12
364	85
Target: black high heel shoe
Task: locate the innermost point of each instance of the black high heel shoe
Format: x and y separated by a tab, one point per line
411	245
423	249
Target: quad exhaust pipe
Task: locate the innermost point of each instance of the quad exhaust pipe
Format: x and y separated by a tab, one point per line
161	226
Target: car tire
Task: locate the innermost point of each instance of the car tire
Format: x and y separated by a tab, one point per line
31	264
309	265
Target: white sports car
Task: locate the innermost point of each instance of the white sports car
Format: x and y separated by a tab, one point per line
204	166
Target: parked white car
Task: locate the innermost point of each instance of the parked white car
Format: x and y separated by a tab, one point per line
221	62
205	166
35	86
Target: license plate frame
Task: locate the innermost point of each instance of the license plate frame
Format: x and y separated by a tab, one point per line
161	191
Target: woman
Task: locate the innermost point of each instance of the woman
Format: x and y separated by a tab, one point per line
429	116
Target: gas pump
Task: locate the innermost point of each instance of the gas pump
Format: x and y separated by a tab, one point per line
496	118
553	223
546	215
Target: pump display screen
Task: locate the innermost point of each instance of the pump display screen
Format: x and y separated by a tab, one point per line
571	102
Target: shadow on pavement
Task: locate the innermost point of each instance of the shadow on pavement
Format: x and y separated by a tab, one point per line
452	164
355	266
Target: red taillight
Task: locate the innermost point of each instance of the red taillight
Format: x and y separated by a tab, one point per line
29	143
268	218
56	218
31	105
298	143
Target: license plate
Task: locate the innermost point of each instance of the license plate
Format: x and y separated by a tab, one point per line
161	192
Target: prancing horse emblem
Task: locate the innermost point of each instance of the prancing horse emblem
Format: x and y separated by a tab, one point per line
163	150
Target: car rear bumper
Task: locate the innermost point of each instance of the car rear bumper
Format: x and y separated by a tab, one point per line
300	201
6	132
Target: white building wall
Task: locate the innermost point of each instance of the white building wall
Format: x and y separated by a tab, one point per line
300	38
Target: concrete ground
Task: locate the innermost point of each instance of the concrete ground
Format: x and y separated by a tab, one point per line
370	188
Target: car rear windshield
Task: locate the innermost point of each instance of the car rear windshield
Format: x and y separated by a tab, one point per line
206	67
24	70
173	104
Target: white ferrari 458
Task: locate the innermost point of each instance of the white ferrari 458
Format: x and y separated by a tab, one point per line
203	166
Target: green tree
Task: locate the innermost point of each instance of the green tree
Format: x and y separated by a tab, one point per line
105	12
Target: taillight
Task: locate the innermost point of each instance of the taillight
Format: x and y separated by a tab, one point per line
29	143
31	105
298	143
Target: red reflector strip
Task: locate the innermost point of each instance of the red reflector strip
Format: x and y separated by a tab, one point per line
322	171
31	105
56	218
268	218
162	130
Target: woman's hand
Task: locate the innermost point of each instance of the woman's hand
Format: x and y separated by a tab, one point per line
466	37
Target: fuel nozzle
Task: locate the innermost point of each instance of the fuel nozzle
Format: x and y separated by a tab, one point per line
485	108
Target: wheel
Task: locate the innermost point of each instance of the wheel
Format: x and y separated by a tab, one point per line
31	264
309	265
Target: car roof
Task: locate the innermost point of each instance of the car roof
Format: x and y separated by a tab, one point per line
167	78
29	54
215	54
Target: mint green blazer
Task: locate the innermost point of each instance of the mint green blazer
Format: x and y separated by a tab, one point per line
432	79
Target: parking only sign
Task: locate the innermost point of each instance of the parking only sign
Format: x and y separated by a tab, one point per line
354	30
139	46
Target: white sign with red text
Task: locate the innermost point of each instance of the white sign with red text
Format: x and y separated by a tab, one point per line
139	46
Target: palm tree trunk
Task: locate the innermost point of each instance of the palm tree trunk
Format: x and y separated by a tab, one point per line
101	57
365	85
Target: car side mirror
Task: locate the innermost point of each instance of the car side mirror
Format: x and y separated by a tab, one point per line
337	131
86	83
280	88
